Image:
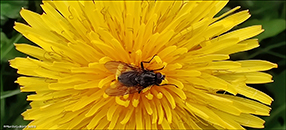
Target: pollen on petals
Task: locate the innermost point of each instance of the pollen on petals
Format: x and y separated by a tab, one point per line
122	102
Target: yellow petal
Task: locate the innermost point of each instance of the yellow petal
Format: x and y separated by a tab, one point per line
243	33
232	20
241	46
253	66
249	121
254	94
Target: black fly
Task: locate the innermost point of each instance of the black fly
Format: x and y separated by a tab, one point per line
132	79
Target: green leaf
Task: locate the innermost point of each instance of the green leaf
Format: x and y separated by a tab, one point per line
278	87
6	94
265	10
14	109
3	110
19	118
268	50
283	14
276	120
11	9
3	105
3	39
271	27
277	116
278	107
8	50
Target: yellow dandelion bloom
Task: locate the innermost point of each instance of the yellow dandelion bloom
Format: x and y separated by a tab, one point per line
201	89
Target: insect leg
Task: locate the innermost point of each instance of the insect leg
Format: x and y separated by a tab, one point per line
159	69
147	62
168	84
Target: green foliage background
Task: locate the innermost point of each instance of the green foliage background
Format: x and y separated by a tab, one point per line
269	14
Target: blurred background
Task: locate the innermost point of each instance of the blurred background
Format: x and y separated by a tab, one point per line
269	14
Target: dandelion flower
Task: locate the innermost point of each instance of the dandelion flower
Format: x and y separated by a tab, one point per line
75	39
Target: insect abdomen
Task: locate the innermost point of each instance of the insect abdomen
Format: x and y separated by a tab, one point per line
129	78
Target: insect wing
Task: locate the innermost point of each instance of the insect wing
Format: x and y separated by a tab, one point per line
117	66
118	89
